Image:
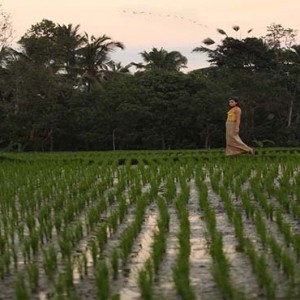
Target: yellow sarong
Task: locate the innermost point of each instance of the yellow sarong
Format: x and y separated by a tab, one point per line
234	144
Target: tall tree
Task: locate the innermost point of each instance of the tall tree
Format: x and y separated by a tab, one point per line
94	59
6	30
280	37
81	58
282	41
248	53
161	59
69	41
39	44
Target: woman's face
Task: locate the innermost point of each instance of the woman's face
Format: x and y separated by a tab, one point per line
232	103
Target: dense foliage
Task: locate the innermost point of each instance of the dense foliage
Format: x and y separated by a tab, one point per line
61	91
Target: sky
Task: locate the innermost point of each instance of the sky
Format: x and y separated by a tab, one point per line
174	25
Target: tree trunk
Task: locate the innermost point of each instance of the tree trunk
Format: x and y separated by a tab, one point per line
206	143
298	116
290	113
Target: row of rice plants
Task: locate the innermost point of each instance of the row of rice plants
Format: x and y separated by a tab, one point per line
181	267
127	238
220	262
284	195
109	227
285	258
151	266
258	262
66	203
281	257
67	239
71	235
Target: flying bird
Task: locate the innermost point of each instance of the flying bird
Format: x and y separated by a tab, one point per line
195	22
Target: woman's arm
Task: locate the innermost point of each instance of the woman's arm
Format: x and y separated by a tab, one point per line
238	120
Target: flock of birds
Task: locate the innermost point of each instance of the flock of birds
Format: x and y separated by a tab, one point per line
194	22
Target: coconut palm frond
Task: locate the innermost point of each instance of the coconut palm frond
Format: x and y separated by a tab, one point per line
138	65
202	49
117	67
161	59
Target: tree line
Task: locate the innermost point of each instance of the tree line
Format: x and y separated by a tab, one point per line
61	91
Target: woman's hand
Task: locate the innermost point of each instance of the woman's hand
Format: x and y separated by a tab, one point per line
237	130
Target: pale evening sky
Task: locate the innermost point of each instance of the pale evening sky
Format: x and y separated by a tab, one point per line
140	25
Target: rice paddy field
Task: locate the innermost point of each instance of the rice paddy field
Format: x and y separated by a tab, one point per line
150	225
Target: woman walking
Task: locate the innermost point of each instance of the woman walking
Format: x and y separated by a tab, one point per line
234	144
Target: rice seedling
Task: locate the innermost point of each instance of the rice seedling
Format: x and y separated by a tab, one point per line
101	236
114	260
112	223
265	277
50	262
287	234
249	210
33	276
94	250
126	242
259	266
68	278
239	229
34	242
122	211
145	278
276	251
21	291
283	199
26	250
65	245
181	267
288	265
111	197
170	189
296	244
102	281
78	231
261	228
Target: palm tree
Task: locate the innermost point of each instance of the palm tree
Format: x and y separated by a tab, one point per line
208	41
69	42
114	69
230	47
162	60
94	59
118	68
